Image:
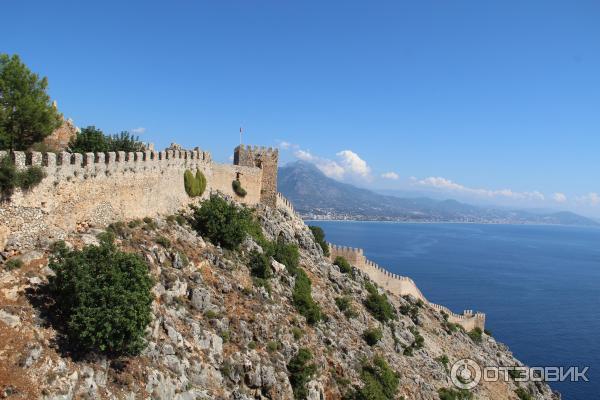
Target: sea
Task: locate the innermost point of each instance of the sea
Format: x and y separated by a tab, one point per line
539	285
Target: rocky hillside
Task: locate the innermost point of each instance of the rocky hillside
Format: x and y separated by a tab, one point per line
216	334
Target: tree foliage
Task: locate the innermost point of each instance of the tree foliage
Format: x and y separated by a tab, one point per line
319	236
222	222
343	265
26	113
302	298
380	382
378	304
301	372
10	177
104	295
372	336
259	264
93	140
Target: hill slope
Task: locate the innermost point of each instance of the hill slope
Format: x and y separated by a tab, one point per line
217	334
316	196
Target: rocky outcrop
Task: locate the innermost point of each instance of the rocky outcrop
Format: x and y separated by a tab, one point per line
216	335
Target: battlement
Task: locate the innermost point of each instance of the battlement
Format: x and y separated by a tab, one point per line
402	285
265	158
282	202
57	163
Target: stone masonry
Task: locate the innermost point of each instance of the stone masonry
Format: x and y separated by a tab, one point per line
95	189
267	160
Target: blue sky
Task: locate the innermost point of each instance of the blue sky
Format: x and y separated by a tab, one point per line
483	101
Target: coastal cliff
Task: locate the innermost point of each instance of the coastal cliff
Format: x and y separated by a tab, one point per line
216	333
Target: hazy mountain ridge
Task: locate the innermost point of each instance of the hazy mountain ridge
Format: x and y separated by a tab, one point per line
316	196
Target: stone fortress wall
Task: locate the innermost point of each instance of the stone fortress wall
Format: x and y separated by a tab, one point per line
402	285
96	189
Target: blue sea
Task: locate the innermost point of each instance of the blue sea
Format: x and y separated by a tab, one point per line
538	285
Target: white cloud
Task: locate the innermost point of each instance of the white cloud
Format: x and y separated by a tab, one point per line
138	131
304	155
559	197
349	165
285	145
591	198
353	163
390	175
447	184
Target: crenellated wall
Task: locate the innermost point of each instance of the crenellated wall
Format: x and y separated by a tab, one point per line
99	188
402	285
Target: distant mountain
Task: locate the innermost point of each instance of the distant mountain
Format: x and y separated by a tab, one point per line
316	196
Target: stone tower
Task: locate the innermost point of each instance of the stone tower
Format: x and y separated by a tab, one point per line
266	159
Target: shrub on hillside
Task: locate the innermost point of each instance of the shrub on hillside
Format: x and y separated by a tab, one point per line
380	382
345	305
302	298
222	222
104	295
301	372
14	263
319	236
238	189
454	394
372	336
378	304
11	178
285	253
476	335
523	394
343	265
259	264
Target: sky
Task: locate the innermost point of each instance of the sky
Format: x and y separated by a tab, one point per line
485	102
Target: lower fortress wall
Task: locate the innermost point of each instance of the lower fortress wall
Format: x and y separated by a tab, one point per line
97	189
402	285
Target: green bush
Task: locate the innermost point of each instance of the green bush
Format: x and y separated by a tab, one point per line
475	335
238	189
378	304
302	298
259	264
285	253
163	241
194	185
300	372
222	223
417	343
319	236
30	177
372	336
523	394
453	394
104	295
410	310
297	333
11	178
443	359
14	263
380	382
345	305
343	265
8	177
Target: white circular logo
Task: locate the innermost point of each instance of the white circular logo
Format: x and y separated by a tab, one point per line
465	374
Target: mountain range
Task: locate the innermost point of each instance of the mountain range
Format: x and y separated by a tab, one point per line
315	196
